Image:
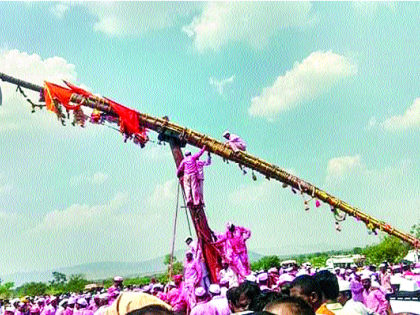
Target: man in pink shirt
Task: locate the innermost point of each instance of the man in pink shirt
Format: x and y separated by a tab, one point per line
192	276
189	172
236	144
176	296
200	176
203	307
236	250
374	298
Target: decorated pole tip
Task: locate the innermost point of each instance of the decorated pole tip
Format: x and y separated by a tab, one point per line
293	190
317	203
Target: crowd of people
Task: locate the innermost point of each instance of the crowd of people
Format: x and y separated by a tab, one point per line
293	290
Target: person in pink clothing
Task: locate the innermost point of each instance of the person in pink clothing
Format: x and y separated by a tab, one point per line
81	307
192	276
236	144
203	307
176	296
200	176
51	307
374	298
235	239
70	306
189	172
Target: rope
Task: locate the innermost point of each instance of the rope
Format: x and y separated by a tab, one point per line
186	212
28	99
174	234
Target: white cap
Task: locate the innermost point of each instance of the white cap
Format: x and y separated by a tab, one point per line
273	270
200	291
82	302
251	278
118	278
375	284
214	288
365	276
302	272
262	276
344	286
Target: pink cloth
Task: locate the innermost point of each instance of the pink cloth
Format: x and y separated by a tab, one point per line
376	301
203	308
221	305
48	310
68	311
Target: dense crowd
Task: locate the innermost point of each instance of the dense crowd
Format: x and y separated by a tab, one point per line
292	290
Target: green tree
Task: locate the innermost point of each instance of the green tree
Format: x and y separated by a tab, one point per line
167	259
6	290
390	249
32	289
415	230
58	278
266	263
76	283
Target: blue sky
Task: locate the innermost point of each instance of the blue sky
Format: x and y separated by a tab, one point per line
326	90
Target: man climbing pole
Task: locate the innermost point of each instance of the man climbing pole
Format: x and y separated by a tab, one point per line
236	252
236	144
189	172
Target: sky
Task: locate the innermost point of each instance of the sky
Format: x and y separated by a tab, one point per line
328	91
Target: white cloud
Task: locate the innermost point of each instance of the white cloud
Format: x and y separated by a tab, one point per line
59	10
79	217
163	193
15	114
307	80
410	119
96	178
371	123
339	168
220	84
250	22
137	18
369	8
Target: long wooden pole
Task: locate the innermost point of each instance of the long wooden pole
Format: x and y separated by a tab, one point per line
162	125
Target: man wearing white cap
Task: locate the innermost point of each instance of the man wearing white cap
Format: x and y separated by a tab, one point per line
227	273
236	144
263	282
192	276
189	173
202	307
351	306
374	298
219	302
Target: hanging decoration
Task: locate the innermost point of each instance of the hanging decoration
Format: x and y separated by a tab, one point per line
57	97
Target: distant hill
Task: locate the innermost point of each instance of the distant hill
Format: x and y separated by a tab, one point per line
103	270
